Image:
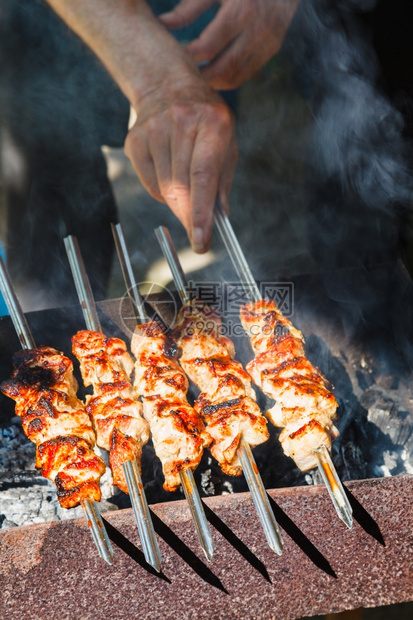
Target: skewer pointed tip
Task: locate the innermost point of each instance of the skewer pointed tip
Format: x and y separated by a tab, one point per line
107	558
260	498
209	552
98	530
277	548
346	516
334	486
142	515
154	562
197	512
155	567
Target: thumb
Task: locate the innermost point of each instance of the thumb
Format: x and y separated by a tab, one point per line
185	13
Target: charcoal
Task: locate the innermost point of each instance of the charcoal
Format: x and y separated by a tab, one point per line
16	451
384	412
6	524
353	462
409	451
365	380
390	461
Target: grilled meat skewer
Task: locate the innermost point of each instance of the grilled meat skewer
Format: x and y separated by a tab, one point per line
227	400
233	424
302	441
304	407
44	389
158	422
120	428
178	432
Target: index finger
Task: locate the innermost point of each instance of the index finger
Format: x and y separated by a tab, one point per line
223	29
207	165
185	13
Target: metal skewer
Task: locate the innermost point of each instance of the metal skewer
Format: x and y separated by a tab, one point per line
93	518
322	454
249	466
334	486
186	475
128	275
99	533
131	470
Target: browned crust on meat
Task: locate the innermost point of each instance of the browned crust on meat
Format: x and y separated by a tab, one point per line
307	428
226	401
178	431
70	498
44	389
123	448
116	414
281	369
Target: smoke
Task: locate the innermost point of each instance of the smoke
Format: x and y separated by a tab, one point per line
358	171
53	93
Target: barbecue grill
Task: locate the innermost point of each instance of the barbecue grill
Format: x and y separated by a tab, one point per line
324	567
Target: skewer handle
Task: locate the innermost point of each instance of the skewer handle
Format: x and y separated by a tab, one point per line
128	275
171	255
142	514
236	254
197	512
15	310
84	291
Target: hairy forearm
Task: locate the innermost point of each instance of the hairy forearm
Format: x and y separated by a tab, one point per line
135	48
182	145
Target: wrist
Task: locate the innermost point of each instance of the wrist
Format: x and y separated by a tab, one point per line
165	72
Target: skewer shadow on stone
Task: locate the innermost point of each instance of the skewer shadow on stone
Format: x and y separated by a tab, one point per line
301	539
365	520
131	550
236	542
186	554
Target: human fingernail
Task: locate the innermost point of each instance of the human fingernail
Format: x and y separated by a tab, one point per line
197	239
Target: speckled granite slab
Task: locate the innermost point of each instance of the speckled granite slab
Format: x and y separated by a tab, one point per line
51	570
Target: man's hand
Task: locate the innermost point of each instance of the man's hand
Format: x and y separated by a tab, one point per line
184	151
183	144
241	38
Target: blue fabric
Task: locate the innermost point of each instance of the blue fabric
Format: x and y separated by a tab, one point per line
3	307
